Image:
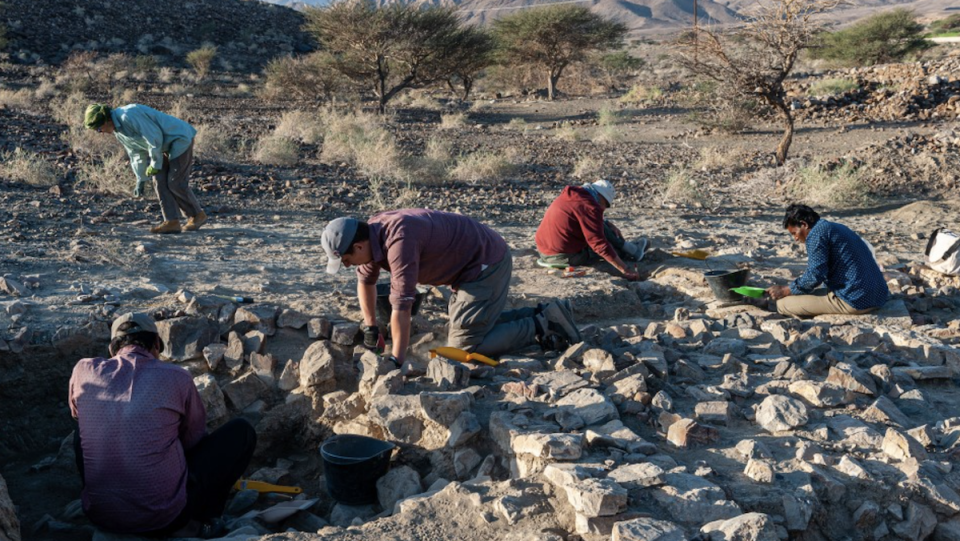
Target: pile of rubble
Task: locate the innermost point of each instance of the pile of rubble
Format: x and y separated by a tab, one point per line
889	92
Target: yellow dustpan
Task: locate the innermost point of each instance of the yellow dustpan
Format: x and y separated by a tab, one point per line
698	254
456	354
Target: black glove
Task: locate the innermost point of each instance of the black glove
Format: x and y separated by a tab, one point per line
371	337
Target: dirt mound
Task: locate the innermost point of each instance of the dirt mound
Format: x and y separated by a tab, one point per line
247	34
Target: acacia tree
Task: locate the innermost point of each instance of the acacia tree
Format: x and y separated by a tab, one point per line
554	37
755	59
389	48
473	55
885	37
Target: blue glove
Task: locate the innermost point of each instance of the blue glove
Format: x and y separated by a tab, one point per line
151	171
138	189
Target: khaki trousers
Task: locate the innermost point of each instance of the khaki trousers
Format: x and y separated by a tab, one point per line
804	306
173	187
477	320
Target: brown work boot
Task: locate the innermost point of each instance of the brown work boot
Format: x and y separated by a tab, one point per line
194	222
170	226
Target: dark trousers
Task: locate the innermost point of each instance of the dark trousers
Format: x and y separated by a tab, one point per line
213	465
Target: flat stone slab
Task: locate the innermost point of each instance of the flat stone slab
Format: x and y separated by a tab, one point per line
894	313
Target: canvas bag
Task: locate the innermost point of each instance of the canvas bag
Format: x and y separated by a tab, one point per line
943	252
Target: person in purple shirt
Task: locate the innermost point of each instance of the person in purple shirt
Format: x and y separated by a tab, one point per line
419	246
146	461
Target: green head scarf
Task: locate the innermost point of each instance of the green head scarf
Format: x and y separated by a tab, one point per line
96	115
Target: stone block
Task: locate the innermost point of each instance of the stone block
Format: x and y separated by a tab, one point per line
647	529
597	497
852	378
638	475
256	317
590	405
398	483
319	328
820	395
716	411
212	397
185	337
245	390
317	365
448	374
345	334
779	413
689	433
900	446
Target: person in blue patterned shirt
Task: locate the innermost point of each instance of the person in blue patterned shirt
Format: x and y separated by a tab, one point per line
837	258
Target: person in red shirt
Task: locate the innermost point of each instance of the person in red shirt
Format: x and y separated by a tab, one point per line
573	231
146	461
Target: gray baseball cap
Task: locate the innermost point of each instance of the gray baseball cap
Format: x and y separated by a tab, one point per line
336	240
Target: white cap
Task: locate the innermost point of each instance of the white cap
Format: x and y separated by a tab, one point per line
605	189
336	240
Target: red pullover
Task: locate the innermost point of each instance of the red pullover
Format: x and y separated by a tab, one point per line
574	221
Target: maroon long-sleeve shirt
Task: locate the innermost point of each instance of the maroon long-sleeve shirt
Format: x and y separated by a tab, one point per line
137	415
574	221
420	246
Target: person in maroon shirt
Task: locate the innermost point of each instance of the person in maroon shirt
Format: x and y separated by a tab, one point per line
441	248
573	231
146	461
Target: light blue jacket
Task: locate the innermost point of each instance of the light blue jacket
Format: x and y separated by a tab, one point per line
147	134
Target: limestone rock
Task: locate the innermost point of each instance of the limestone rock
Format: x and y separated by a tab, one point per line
9	523
746	527
213	354
900	446
820	395
687	432
448	374
597	497
245	390
647	529
316	366
233	355
639	475
263	366
319	328
779	413
589	404
290	376
12	287
692	499
444	407
759	471
716	411
397	484
552	446
852	378
185	337
398	416
463	429
292	319
212	397
258	317
464	461
883	410
919	522
345	334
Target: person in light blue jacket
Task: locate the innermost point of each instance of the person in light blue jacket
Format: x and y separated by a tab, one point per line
159	146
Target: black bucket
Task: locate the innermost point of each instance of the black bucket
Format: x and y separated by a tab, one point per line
384	309
351	466
720	282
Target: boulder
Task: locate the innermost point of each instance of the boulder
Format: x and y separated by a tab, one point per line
448	374
233	355
292	319
212	397
900	446
687	433
463	429
692	499
256	317
345	334
746	527
852	378
9	523
246	390
820	395
397	484
319	328
639	475
647	529
590	405
779	413
290	376
716	411
213	354
185	337
316	366
12	287
445	408
597	497
398	416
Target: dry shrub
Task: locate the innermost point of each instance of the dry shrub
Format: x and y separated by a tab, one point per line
17	99
518	124
491	166
589	167
124	95
435	164
680	187
567	132
69	109
29	167
304	77
181	109
201	59
111	175
300	126
361	139
90	143
608	117
453	121
714	157
640	94
607	134
46	90
832	87
273	149
213	144
839	187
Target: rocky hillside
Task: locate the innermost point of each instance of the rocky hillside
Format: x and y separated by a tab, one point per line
247	33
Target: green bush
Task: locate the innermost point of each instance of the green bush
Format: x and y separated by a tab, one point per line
621	63
832	87
950	25
885	37
201	59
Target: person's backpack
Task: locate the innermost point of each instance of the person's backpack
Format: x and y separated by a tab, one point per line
943	252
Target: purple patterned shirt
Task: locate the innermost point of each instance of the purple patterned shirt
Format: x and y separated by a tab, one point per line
137	415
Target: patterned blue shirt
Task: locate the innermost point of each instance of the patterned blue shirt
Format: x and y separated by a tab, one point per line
839	258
